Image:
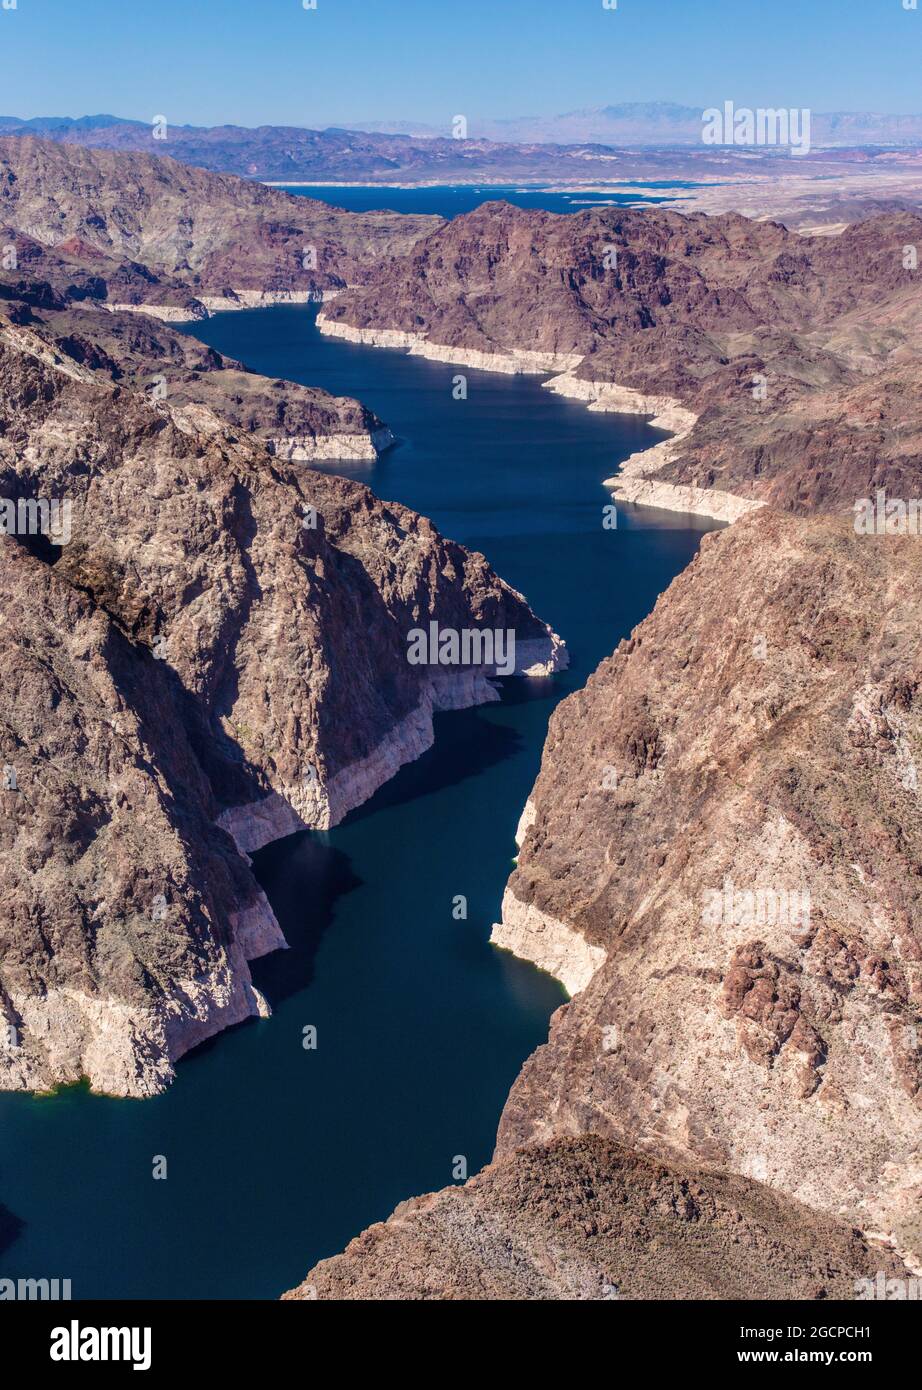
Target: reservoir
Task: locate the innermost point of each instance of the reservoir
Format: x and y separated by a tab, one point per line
451	200
278	1154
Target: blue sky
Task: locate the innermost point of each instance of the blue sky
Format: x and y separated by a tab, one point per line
271	61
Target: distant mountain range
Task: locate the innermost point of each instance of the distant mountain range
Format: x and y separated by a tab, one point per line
659	123
657	140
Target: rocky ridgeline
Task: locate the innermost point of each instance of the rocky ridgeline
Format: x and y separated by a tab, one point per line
132	228
638	141
100	252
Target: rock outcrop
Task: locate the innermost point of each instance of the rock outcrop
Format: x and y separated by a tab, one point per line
585	1219
127	917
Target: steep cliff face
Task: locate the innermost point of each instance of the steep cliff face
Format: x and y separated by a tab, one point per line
127	917
282	598
727	819
720	858
206	647
774	356
585	1219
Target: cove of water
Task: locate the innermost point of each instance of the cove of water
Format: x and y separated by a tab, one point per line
278	1156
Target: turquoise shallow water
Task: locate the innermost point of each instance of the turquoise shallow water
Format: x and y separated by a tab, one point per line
278	1156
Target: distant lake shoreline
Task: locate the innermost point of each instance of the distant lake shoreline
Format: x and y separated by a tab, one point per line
598	185
452	199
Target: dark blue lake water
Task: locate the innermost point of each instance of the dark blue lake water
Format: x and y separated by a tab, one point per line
278	1156
451	200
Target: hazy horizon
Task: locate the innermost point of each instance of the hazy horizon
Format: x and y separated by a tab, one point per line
400	124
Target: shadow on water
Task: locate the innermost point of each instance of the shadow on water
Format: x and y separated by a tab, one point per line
303	878
525	690
10	1228
466	746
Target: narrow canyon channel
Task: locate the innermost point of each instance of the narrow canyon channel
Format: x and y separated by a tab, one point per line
277	1155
